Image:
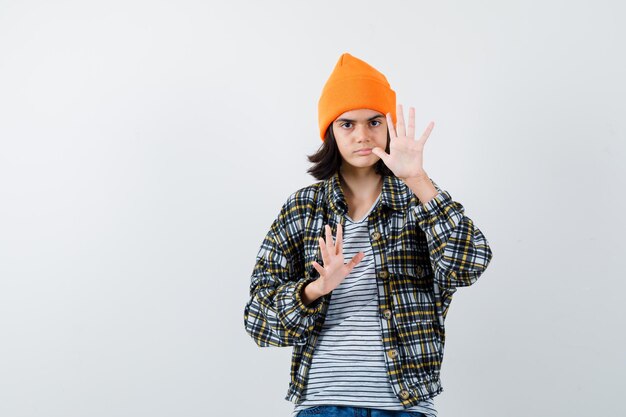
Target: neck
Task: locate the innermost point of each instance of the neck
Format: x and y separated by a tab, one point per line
361	183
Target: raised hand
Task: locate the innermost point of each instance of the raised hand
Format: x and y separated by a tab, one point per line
406	155
334	270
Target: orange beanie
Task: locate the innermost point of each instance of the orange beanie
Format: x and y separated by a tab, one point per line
354	84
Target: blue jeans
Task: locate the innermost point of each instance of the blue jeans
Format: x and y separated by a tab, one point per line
347	411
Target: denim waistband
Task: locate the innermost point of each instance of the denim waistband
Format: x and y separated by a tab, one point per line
348	411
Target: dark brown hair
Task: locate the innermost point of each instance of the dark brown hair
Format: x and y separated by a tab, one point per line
327	160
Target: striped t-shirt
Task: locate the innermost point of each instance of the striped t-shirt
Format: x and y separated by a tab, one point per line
348	366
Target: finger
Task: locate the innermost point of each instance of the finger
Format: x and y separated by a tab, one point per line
400	129
323	251
426	133
381	154
410	132
392	130
329	240
339	246
319	268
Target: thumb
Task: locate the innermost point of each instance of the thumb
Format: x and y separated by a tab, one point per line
381	154
355	260
319	268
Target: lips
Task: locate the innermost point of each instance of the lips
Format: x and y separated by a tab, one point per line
364	151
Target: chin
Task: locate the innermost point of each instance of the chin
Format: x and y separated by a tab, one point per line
365	164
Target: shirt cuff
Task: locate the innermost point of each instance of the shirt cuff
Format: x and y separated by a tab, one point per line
433	208
314	307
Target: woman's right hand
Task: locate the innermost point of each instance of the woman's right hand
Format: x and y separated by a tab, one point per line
334	270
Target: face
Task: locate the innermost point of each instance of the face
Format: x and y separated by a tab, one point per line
356	133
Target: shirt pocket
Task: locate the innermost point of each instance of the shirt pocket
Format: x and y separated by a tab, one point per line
420	344
408	255
411	301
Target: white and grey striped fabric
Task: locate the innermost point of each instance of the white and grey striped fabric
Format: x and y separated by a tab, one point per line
348	366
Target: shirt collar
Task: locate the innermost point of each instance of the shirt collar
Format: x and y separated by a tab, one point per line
393	193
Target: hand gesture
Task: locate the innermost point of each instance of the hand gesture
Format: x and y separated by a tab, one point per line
405	157
334	270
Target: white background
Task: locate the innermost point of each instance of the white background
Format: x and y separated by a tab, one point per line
146	147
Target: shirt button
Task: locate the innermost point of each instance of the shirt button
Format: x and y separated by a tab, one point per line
383	274
419	270
387	314
392	353
376	235
404	394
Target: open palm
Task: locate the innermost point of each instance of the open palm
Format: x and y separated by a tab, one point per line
334	270
406	155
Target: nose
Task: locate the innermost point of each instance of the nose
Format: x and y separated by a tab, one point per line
361	133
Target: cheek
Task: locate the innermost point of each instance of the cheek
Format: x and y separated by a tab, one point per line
382	140
341	147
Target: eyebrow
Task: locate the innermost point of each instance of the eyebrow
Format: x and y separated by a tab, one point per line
352	121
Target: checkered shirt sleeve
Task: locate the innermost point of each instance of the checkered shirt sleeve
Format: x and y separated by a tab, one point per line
275	314
459	252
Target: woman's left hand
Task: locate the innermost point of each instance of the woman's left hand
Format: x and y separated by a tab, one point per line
405	157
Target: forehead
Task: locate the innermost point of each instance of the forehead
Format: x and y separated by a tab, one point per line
359	114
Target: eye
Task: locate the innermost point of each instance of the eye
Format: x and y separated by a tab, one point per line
378	123
347	125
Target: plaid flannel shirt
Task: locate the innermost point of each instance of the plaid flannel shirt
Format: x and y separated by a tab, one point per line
422	253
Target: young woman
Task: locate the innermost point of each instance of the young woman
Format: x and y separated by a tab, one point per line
367	334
